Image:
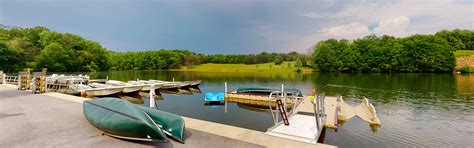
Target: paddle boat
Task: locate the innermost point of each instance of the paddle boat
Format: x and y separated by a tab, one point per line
214	97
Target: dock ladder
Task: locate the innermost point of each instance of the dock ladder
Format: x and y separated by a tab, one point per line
282	110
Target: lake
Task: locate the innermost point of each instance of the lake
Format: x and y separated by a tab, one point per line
415	109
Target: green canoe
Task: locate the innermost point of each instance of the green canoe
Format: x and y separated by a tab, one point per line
122	119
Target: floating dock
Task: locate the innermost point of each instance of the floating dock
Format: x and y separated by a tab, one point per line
338	111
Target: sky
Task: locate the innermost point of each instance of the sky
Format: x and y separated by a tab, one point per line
235	26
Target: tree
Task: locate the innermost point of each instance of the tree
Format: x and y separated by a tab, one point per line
8	59
56	58
278	61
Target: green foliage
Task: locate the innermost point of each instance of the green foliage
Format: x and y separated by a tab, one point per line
465	69
458	39
278	61
462	53
417	53
8	58
56	57
39	47
263	57
152	60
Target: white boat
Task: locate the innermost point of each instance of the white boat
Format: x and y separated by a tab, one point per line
194	83
74	89
168	85
127	87
146	85
99	90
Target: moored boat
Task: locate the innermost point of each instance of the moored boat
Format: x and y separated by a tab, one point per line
168	85
122	119
147	85
214	97
127	87
258	96
98	90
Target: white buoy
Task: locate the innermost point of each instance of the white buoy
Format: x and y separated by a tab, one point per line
173	79
107	78
152	98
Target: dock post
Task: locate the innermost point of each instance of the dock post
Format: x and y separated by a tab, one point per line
4	77
19	82
152	98
225	89
225	95
283	95
45	84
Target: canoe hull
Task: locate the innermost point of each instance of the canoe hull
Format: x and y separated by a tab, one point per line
121	119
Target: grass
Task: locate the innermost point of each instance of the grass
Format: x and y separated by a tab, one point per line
462	53
266	67
465	61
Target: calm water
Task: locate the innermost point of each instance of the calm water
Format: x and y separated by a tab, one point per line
415	109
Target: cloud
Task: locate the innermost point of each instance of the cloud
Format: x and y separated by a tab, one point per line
348	31
313	15
393	26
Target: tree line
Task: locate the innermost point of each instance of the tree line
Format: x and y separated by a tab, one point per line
416	53
39	47
173	59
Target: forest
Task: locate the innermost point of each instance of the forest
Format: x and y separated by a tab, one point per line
416	53
39	47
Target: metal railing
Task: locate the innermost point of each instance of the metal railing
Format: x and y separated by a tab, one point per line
11	79
319	111
275	95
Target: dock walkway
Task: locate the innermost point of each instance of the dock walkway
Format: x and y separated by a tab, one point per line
56	120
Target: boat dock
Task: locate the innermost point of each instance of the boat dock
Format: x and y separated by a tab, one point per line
55	119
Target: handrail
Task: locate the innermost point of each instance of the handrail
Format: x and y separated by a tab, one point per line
274	95
319	111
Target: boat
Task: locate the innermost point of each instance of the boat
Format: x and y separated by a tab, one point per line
122	119
74	89
146	84
98	90
195	83
128	88
258	96
169	85
214	97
